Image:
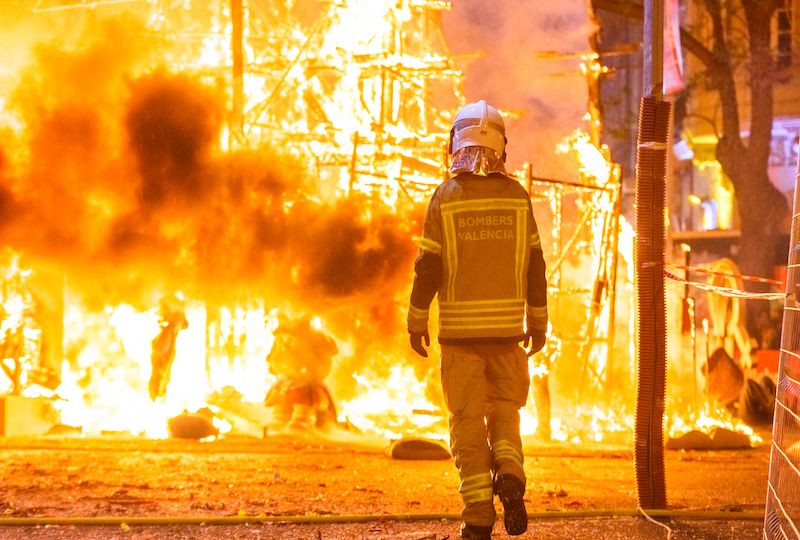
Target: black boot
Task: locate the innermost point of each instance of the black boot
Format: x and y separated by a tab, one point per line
510	489
476	532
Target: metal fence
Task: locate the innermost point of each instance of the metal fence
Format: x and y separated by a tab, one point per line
782	518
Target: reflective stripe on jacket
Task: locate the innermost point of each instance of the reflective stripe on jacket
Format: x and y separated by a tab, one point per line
475	252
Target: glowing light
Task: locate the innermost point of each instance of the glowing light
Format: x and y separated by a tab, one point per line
316	323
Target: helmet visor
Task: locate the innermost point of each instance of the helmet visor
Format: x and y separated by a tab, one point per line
477	160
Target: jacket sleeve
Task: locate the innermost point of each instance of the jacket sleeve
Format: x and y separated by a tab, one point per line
427	269
536	309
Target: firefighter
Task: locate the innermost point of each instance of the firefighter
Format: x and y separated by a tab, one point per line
480	252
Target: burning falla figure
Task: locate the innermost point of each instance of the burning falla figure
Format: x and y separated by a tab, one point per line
172	313
301	358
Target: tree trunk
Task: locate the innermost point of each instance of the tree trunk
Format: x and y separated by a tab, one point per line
762	209
763	213
761	232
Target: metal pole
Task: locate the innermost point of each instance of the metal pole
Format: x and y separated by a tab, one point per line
653	48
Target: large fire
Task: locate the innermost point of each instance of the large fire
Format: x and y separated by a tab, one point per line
178	238
165	216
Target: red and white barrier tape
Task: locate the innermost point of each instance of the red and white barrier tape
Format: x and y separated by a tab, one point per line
725	274
725	291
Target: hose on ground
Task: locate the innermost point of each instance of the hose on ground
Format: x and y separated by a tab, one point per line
710	515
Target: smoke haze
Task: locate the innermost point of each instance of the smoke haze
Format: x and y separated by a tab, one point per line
548	96
121	181
118	165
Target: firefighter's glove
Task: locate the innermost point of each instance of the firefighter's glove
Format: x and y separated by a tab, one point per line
534	339
416	339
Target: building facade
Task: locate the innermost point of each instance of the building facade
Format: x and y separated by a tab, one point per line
702	207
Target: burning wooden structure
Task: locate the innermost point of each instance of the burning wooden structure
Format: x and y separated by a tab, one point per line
272	167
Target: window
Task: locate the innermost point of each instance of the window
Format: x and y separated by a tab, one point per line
784	24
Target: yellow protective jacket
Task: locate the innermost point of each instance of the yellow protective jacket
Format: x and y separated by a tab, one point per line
480	251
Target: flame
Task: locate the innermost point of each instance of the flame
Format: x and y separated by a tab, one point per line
117	351
114	339
592	160
707	418
346	95
360	112
579	425
394	405
19	331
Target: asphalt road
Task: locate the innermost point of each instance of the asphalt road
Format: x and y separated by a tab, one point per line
62	477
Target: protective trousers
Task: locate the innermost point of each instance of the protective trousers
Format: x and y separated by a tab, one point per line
484	388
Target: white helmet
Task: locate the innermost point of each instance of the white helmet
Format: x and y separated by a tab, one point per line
478	124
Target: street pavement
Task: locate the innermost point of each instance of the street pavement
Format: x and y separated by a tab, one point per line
319	479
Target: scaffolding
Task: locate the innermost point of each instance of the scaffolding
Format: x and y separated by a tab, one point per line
360	92
353	91
782	516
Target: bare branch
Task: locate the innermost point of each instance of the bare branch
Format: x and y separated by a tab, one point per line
721	73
